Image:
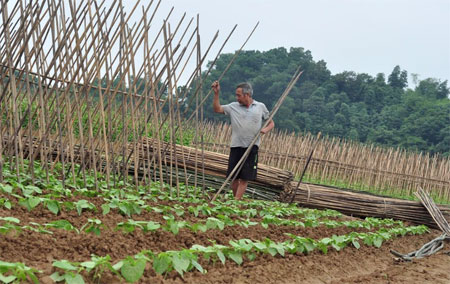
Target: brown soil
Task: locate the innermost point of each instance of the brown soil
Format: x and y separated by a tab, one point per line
366	265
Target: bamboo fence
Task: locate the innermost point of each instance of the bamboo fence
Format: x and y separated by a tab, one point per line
355	165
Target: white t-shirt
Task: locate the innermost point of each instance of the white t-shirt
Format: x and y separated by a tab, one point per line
245	122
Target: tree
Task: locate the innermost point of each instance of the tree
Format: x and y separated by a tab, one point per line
398	78
433	88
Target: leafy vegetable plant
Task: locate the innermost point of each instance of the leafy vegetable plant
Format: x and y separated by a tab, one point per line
70	272
17	273
92	226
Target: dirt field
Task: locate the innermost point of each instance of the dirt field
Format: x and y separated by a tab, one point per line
350	265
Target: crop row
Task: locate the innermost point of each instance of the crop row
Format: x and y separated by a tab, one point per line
135	204
95	225
32	195
132	268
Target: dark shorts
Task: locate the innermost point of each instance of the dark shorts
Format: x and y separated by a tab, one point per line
249	169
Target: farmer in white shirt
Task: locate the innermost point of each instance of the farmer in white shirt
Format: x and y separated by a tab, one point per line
247	117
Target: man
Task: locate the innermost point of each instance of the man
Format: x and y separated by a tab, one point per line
247	117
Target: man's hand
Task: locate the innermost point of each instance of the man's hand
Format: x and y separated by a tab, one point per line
216	103
269	127
216	87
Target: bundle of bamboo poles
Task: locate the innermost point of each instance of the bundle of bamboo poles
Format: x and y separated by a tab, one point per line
361	204
434	211
212	163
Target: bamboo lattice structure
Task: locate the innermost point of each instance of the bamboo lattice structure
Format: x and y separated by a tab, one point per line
83	82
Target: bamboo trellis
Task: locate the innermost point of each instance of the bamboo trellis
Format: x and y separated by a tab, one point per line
82	82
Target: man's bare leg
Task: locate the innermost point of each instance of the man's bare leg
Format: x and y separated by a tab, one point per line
234	186
242	187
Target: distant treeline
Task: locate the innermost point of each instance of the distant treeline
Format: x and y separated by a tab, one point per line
356	106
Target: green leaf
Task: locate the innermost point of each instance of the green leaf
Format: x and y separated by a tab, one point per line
153	226
30	202
5	266
309	246
118	265
64	264
356	244
197	265
96	231
31	188
260	246
79	209
202	227
323	248
10	219
272	251
88	264
221	256
161	263
61	224
57	277
74	279
220	225
179	212
7	279
377	242
6	188
280	249
132	270
212	223
336	246
7	204
124	208
34	201
180	263
126	227
236	256
326	241
251	256
53	206
105	208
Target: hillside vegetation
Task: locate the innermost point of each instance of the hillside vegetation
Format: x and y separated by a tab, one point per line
357	106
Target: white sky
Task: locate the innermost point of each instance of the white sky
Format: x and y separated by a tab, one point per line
365	36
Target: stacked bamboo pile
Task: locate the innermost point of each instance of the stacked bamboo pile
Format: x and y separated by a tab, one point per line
361	204
213	163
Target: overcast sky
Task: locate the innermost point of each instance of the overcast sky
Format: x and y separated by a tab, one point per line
365	36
